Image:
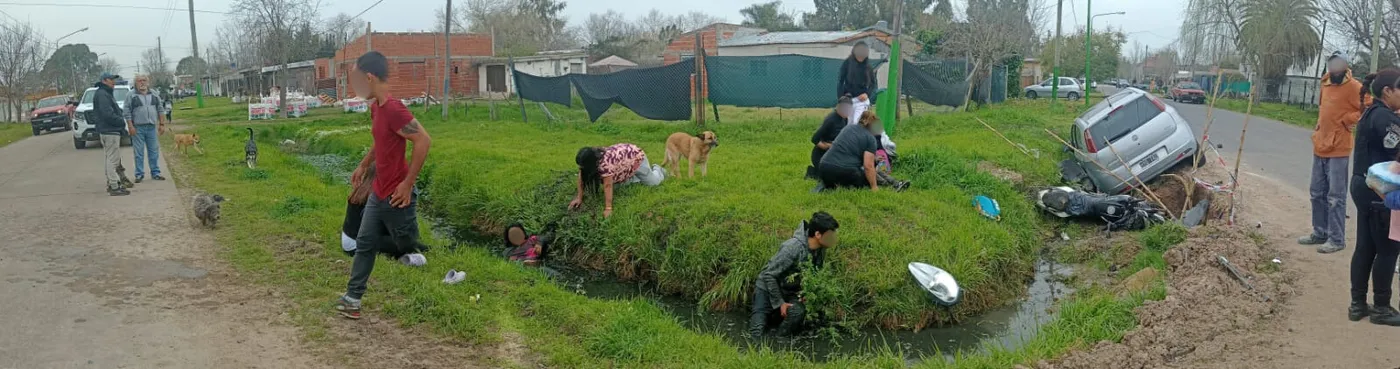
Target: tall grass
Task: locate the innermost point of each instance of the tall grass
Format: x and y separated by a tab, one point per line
1291	114
11	132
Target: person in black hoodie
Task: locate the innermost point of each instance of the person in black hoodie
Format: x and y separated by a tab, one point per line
107	116
857	81
1377	137
826	134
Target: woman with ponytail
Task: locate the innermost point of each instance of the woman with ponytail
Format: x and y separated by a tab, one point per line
1373	262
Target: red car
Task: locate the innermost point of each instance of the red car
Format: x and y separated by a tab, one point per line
1187	92
53	112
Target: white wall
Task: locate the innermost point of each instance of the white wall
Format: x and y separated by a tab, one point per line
543	68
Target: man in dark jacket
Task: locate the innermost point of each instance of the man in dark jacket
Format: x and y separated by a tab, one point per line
857	80
826	134
107	116
777	293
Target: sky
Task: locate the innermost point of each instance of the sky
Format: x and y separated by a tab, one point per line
124	33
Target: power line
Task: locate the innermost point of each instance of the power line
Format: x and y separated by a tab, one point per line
362	12
119	7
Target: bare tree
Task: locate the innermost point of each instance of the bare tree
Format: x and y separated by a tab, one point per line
21	59
108	64
341	28
1353	19
155	67
273	23
994	30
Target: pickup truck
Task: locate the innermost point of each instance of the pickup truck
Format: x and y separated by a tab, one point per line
52	113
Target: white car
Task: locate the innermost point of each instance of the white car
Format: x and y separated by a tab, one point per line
84	131
1069	89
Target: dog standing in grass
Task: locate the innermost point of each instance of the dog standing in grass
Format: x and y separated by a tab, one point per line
184	142
695	148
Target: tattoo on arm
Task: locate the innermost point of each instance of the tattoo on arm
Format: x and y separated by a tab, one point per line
411	128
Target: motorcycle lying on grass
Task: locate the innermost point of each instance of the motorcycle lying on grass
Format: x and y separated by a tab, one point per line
1120	212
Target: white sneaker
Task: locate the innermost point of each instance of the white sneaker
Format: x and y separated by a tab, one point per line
414	259
454	276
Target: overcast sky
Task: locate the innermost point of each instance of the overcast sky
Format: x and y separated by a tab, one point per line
124	33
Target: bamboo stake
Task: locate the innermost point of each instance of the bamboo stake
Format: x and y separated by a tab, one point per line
1210	118
1003	137
1249	109
1142	185
1110	172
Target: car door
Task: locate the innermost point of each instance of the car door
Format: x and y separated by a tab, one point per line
1068	85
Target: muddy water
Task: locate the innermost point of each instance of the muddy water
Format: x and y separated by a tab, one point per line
1009	326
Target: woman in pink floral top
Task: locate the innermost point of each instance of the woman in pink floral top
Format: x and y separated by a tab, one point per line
617	164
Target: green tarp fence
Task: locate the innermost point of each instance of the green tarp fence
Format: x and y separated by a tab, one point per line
778	81
544	89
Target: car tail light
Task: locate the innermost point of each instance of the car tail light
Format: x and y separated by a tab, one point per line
1158	103
1089	142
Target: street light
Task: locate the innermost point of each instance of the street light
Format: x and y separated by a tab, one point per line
1088	34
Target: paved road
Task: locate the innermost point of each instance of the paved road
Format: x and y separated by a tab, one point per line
92	281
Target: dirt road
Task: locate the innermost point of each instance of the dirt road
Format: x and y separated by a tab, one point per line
94	281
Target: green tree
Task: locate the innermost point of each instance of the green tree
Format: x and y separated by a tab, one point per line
768	16
1107	49
1278	34
836	15
190	65
73	67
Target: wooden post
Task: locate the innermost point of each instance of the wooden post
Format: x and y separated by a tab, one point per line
1249	109
1210	114
1141	184
519	98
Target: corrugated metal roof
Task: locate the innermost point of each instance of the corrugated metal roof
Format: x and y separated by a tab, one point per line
774	38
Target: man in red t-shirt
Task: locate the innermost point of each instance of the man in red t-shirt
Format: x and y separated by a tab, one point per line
389	217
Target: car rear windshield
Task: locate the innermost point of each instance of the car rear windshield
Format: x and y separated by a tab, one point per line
1189	85
1123	120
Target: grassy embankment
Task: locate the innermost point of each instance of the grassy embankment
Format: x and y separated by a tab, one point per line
493	172
11	132
1281	112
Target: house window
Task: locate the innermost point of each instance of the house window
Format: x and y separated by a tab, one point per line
758	68
575	67
687	56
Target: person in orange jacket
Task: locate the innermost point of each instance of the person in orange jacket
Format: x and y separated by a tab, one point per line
1339	108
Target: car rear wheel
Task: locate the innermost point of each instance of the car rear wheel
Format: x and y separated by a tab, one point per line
1073	96
79	143
1032	95
36	130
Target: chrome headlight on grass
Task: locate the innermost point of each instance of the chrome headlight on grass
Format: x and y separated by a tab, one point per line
937	282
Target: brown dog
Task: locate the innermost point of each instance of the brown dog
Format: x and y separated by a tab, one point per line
184	142
695	148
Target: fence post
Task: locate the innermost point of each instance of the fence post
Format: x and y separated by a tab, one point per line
518	97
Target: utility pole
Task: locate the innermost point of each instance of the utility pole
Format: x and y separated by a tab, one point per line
194	44
446	59
160	56
1376	37
1059	44
1321	61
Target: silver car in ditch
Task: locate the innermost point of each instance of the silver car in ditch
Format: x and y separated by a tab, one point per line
1148	135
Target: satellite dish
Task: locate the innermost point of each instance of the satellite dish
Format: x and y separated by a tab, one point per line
938	283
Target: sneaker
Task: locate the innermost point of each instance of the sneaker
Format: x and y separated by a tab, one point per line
1330	248
414	259
126	183
1358	310
138	179
1385	315
1312	239
454	276
901	186
157	177
348	307
119	191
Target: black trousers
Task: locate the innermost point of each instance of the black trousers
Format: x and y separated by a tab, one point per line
762	316
839	177
1373	260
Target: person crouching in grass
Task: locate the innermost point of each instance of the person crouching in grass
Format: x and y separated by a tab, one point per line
777	292
851	161
826	134
603	167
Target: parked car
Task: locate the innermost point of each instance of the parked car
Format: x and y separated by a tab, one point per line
53	112
85	131
1147	134
1187	92
1069	88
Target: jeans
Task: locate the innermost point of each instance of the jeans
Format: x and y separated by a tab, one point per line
111	149
857	108
762	315
146	145
647	174
838	177
1329	198
1374	258
382	227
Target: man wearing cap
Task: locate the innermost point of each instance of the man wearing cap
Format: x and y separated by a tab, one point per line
1339	108
107	116
144	112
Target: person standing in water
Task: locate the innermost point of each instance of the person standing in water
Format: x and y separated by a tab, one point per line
857	81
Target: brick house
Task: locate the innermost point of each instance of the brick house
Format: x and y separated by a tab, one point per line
415	60
683	46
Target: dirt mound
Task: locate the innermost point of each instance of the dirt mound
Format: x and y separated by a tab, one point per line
1203	309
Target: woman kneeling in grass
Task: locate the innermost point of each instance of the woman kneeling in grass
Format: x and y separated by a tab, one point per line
617	164
851	161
